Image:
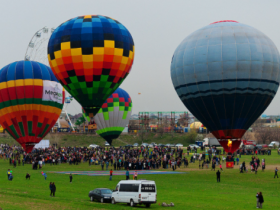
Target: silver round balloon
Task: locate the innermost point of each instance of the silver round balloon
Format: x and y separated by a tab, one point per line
226	74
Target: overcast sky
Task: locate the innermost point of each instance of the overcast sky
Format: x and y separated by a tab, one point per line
157	27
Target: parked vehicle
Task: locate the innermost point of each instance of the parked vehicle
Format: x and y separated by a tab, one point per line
101	194
172	145
249	146
179	145
276	143
211	142
161	145
93	146
145	144
192	146
264	145
248	142
199	143
259	146
135	144
135	192
128	145
167	145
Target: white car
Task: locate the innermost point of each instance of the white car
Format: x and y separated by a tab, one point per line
93	146
135	145
135	192
145	144
192	146
179	145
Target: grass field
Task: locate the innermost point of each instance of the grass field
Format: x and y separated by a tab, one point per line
194	190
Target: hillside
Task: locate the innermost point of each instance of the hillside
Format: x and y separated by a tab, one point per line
87	139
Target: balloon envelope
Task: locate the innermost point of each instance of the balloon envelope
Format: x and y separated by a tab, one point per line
91	56
31	100
226	74
114	115
85	115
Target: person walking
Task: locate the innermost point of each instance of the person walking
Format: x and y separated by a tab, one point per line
218	176
260	199
53	189
276	170
221	167
111	174
127	174
71	177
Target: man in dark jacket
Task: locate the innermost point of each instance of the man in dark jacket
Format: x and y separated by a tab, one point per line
218	176
276	170
53	187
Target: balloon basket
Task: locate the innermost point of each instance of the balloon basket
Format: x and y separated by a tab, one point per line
229	164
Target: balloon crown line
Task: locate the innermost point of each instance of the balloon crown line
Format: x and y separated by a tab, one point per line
224	21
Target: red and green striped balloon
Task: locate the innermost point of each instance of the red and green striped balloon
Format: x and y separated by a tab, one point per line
31	99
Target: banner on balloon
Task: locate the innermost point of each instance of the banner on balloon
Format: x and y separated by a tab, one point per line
52	92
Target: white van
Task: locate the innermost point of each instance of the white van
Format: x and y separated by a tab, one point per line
272	144
135	192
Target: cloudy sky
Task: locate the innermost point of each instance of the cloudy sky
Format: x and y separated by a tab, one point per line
157	27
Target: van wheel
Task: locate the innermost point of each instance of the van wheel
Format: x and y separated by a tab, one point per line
102	200
91	198
113	201
148	205
128	204
131	203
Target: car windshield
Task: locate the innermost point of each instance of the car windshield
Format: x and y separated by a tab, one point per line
107	191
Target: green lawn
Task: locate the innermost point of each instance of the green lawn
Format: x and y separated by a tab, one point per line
196	189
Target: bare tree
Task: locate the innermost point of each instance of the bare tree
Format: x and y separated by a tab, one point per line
247	135
264	134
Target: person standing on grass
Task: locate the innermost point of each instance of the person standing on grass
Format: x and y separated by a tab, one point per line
237	161
276	170
173	165
111	174
221	167
260	199
71	177
8	173
53	189
263	166
127	174
50	186
27	176
218	173
135	175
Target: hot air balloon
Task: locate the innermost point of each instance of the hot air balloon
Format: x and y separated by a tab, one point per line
226	74
31	100
114	115
85	115
91	56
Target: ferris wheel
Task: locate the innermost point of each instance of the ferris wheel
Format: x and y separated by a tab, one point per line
37	50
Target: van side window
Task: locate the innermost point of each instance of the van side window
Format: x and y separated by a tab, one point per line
129	187
148	188
117	188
